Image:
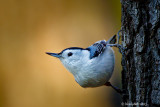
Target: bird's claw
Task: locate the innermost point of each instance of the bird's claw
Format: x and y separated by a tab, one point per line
115	88
120	47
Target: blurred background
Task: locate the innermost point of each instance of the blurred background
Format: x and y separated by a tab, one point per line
29	28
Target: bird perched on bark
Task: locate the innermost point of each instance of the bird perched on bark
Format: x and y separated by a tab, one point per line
92	66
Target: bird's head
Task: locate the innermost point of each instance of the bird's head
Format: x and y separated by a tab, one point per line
72	58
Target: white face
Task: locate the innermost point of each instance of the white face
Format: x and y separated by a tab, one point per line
73	59
71	56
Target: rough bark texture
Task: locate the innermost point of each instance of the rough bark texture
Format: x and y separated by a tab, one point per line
141	56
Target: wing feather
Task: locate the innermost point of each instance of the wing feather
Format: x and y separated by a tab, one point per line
97	48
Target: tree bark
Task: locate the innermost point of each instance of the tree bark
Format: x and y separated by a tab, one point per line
141	53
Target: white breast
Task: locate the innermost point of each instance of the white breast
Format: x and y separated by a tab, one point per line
96	71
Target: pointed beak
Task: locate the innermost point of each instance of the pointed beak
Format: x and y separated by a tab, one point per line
57	55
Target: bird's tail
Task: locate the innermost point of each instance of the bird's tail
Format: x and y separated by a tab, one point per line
112	40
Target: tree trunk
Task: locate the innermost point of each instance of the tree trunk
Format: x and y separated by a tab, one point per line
141	53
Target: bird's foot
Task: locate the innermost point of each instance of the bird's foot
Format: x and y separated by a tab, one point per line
115	88
120	47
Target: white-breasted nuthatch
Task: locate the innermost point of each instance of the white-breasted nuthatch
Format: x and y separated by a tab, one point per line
92	66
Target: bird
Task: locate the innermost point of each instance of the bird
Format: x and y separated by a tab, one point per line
92	66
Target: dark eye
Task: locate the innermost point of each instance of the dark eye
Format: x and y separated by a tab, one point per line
70	54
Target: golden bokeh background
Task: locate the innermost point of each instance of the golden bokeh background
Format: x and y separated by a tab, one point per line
29	28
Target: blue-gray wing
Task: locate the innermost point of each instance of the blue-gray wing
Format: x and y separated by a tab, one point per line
97	48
